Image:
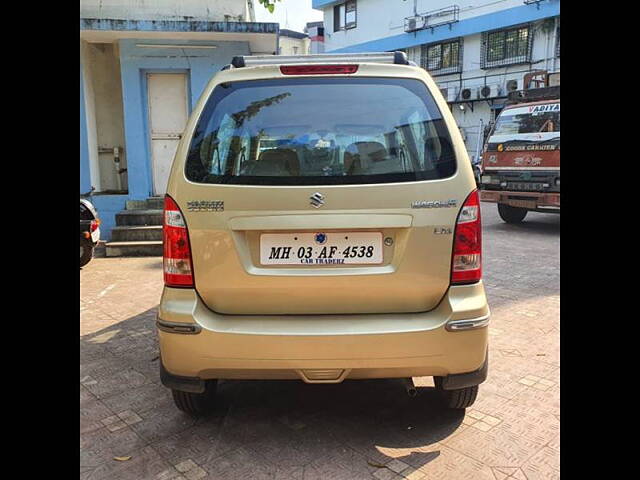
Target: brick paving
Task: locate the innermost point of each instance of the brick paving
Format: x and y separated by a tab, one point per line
356	430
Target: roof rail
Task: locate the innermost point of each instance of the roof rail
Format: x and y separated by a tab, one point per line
399	58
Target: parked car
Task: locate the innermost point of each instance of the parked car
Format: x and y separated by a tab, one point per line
322	223
89	231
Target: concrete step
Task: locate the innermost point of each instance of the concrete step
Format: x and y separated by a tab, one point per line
155	202
151	203
136	205
136	233
139	217
134	249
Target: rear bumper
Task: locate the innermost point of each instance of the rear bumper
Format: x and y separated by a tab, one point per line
450	382
530	200
198	344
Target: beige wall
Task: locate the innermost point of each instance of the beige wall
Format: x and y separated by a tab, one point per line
107	98
90	113
287	45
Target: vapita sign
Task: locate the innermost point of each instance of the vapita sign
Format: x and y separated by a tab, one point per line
550	107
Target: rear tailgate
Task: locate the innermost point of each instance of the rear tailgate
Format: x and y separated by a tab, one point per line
372	173
412	276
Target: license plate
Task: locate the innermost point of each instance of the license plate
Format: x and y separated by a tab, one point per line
321	248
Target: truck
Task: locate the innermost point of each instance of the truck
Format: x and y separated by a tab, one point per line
521	158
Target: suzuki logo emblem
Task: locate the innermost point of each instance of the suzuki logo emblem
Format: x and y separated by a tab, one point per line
316	200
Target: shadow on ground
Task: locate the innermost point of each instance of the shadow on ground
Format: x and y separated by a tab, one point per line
533	223
362	423
155	265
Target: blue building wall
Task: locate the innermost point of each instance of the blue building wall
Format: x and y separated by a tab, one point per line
135	63
481	23
108	206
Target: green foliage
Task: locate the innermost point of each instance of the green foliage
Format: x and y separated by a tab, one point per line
269	4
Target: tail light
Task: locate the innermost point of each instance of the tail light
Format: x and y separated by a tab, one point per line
94	224
317	69
466	264
177	265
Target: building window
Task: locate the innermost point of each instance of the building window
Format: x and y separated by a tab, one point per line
558	40
350	15
337	24
506	47
442	58
345	16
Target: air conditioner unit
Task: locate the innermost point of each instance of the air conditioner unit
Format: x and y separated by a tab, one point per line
489	91
467	94
412	24
450	94
513	85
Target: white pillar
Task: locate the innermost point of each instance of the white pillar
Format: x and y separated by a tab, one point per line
90	112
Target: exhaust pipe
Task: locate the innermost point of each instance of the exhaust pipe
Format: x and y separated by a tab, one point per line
410	387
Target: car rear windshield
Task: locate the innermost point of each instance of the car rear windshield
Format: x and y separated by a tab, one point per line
308	131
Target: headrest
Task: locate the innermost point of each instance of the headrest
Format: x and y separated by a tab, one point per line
277	162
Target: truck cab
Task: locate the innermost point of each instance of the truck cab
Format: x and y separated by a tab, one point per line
521	159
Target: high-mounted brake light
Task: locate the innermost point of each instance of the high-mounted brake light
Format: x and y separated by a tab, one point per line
177	264
466	263
317	69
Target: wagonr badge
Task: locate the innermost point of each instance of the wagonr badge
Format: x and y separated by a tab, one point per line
205	206
434	204
316	200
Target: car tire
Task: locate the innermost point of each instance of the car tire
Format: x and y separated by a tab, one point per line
511	214
196	404
86	251
460	398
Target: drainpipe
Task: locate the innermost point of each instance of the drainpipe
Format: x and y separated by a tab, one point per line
555	42
479	143
252	14
546	51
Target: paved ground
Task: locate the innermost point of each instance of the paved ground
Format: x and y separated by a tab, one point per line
290	430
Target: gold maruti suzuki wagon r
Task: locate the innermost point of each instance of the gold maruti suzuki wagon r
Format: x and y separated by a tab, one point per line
321	223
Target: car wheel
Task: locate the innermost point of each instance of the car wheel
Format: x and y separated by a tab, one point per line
196	403
511	214
86	251
460	398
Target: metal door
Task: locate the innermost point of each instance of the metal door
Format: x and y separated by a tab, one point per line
168	113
